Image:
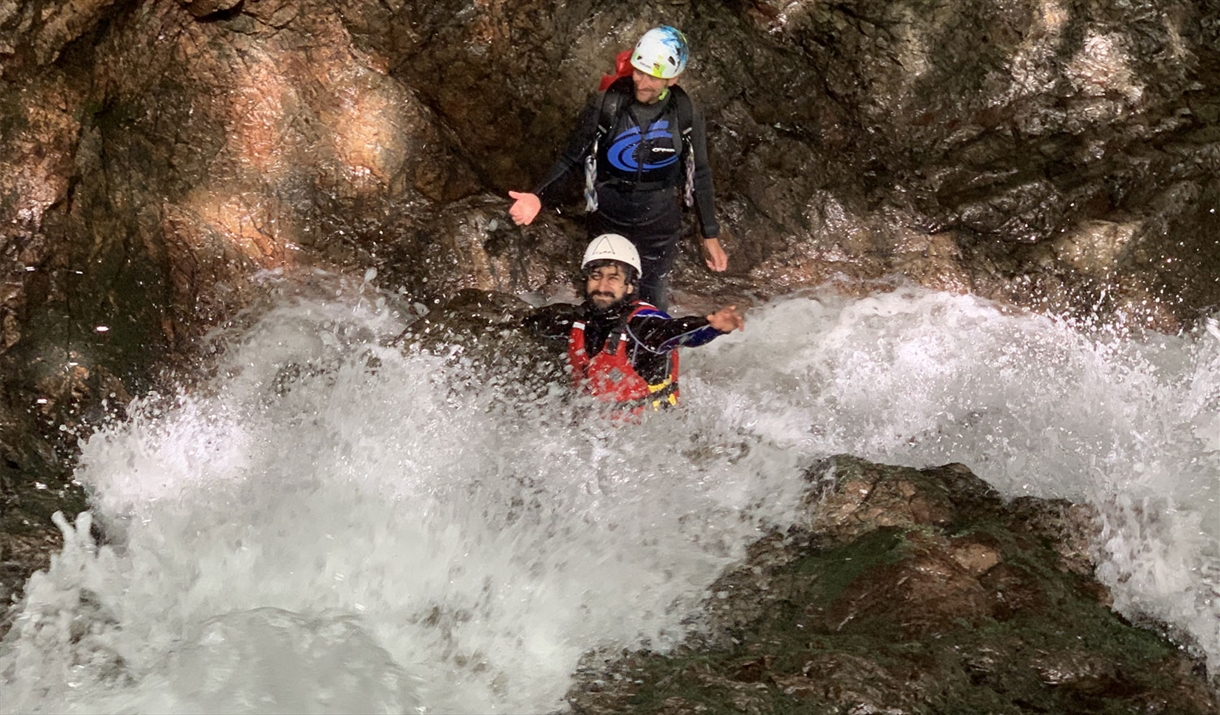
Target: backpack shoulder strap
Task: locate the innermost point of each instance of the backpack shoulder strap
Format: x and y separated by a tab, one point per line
686	125
686	111
612	104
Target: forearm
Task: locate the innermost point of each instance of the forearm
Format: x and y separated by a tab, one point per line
659	335
704	185
554	177
572	157
553	322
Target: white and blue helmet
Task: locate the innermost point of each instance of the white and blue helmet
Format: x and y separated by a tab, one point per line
662	52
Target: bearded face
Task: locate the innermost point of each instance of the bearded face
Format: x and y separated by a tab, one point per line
608	286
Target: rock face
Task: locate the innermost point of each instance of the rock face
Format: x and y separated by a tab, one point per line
157	158
908	591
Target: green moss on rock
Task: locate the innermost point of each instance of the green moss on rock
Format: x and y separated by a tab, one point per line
965	611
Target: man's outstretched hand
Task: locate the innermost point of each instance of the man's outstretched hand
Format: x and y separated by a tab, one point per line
726	320
525	208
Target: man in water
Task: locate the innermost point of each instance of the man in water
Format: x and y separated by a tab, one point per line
641	141
621	349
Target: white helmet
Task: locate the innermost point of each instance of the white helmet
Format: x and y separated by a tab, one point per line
612	247
662	52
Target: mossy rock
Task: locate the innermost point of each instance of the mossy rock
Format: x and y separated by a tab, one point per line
944	601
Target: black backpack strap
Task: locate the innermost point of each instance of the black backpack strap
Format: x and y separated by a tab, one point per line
686	124
612	103
686	111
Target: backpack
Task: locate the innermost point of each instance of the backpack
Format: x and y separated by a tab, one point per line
618	90
622	68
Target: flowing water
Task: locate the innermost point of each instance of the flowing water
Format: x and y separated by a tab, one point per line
331	525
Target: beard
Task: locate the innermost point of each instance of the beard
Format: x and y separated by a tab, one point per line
605	308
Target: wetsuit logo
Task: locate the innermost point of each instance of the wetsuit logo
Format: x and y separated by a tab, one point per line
622	153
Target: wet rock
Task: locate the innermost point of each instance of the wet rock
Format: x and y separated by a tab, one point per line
861	501
157	160
969	148
467	321
947	600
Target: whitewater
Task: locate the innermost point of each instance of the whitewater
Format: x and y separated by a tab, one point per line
331	523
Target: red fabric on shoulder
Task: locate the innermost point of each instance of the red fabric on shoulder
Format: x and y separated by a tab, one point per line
622	68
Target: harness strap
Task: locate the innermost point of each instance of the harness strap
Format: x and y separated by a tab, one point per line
591	178
662	394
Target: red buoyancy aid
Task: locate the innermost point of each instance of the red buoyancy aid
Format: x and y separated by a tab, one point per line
611	377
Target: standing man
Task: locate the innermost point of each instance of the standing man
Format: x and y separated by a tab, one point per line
644	148
620	349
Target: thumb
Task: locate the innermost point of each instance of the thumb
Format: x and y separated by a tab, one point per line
515	194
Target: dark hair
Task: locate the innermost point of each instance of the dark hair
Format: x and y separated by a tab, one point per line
628	270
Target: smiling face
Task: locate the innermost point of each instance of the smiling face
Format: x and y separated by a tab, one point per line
649	89
607	285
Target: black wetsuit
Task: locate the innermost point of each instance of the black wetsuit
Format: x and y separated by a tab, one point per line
653	333
640	180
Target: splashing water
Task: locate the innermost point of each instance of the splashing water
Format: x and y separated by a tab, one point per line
335	526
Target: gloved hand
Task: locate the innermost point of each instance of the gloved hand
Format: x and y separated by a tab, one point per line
525	208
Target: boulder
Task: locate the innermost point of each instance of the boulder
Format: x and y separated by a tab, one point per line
907	591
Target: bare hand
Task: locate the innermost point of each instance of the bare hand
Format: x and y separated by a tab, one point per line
714	255
726	320
525	208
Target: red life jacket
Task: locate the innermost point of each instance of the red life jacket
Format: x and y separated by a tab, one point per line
611	377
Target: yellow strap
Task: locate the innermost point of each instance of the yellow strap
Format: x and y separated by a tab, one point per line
660	385
671	398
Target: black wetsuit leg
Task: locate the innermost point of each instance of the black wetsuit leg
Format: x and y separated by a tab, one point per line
652	221
657	261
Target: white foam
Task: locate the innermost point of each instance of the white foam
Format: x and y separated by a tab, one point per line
334	526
